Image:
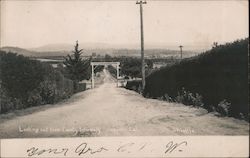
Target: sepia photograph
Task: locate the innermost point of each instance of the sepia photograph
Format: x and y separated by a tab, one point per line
123	68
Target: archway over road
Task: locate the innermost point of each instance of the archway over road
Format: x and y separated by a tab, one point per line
93	64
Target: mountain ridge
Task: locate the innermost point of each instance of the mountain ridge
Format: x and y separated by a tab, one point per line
64	49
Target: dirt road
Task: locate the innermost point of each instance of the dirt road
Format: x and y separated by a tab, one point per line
111	111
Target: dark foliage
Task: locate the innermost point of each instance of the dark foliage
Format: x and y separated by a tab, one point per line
112	71
81	87
77	68
130	66
19	74
134	85
98	68
25	82
218	75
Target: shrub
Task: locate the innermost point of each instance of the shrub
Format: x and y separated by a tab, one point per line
47	90
223	107
167	98
81	87
188	98
34	98
134	85
20	75
26	82
5	102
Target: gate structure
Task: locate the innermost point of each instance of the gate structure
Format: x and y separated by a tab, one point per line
93	64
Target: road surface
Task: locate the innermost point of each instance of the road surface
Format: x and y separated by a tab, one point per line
111	111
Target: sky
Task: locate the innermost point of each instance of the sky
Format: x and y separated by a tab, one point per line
34	23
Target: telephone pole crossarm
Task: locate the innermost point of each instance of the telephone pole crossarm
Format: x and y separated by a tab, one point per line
141	2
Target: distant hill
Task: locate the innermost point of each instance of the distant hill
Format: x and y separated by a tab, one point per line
52	50
117	49
113	50
32	53
69	47
107	46
18	50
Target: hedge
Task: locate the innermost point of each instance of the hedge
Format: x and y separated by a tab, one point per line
219	76
25	83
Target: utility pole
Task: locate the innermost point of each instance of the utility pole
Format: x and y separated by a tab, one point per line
181	50
142	44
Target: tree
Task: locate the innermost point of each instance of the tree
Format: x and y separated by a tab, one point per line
77	68
215	45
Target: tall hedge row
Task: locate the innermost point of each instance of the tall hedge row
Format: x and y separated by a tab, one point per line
219	75
25	82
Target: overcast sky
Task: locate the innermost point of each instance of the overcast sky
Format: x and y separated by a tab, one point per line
197	23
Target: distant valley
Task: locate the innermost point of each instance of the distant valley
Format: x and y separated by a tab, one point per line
59	50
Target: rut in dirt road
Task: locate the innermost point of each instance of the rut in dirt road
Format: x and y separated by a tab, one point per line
111	111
